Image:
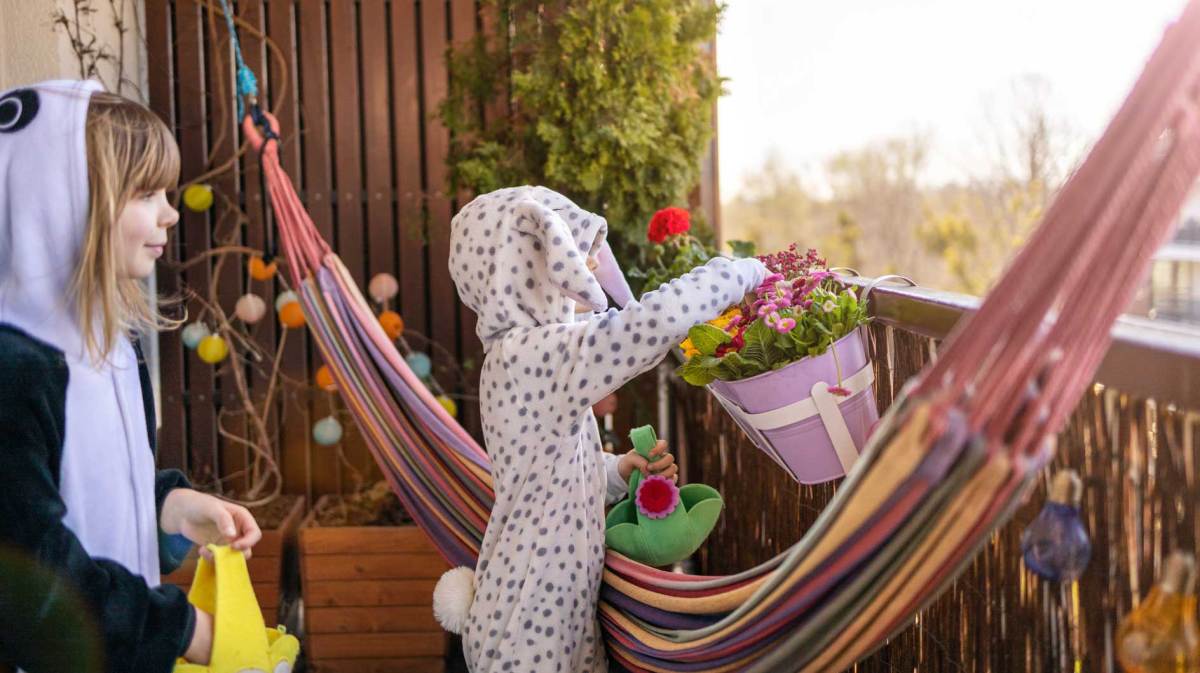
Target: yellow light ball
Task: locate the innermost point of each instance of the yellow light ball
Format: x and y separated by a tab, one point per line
449	405
198	198
212	349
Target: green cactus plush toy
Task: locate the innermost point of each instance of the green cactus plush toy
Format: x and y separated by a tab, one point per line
660	523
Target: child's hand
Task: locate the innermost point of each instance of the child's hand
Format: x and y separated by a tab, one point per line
199	651
663	465
203	518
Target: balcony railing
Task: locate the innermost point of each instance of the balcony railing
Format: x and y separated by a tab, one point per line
1132	439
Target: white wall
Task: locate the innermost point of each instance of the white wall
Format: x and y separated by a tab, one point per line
32	48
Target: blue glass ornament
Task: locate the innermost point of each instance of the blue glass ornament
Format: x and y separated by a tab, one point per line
1055	545
420	363
327	431
193	334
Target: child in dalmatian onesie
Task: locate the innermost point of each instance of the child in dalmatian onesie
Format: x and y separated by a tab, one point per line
521	258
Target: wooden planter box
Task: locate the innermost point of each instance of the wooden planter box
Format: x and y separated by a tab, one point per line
266	565
368	599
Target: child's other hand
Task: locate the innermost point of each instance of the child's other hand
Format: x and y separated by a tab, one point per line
660	463
199	651
205	519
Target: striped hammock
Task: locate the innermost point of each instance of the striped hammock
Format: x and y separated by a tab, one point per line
947	465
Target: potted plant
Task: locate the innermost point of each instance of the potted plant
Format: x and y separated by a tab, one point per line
790	365
367	576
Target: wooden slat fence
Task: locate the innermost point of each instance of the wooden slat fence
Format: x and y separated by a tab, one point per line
356	85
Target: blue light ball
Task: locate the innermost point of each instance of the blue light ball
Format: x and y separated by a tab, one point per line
327	431
193	334
420	363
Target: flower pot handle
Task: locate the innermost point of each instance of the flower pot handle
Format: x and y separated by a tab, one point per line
883	279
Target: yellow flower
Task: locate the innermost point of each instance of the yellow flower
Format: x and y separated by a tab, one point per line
689	351
722	321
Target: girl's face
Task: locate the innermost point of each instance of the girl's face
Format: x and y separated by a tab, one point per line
142	232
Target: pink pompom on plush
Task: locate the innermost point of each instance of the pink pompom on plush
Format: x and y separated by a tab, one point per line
657	497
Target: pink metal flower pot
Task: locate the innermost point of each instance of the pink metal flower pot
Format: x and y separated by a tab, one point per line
790	414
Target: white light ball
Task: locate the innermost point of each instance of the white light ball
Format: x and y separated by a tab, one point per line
383	287
193	334
250	308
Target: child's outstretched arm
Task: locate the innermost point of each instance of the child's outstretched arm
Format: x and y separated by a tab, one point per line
589	359
49	586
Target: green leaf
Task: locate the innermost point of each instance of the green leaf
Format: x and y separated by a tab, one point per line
743	249
705	338
701	370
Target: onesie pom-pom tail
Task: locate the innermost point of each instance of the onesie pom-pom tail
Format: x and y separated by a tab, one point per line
452	598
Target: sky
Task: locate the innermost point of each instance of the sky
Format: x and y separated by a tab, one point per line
809	78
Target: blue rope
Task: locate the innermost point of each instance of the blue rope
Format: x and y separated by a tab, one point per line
247	84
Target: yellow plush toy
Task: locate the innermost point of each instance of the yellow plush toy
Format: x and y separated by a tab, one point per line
241	641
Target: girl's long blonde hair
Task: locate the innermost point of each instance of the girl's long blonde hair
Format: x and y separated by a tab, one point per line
129	151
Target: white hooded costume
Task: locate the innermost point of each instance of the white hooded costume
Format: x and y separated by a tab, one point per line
518	258
81	494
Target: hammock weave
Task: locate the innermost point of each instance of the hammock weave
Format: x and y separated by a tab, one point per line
947	465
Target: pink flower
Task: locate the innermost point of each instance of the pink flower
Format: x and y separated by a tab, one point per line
657	497
785	325
767	309
772	319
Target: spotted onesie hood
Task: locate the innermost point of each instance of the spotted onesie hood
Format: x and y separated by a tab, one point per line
519	260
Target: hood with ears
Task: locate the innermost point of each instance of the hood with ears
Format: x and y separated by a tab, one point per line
519	259
106	475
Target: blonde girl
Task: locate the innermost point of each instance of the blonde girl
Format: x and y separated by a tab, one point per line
87	524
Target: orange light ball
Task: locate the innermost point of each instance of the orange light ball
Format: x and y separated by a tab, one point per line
325	379
392	323
260	270
291	315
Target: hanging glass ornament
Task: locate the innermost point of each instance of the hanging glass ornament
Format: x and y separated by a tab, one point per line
420	364
1055	545
1161	636
392	324
327	431
198	198
383	286
250	308
193	333
212	349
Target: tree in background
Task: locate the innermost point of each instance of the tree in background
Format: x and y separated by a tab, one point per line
609	102
877	188
878	215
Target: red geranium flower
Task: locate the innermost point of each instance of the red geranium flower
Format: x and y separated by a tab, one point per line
668	222
657	497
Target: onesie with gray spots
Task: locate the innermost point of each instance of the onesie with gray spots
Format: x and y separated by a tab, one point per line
518	258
